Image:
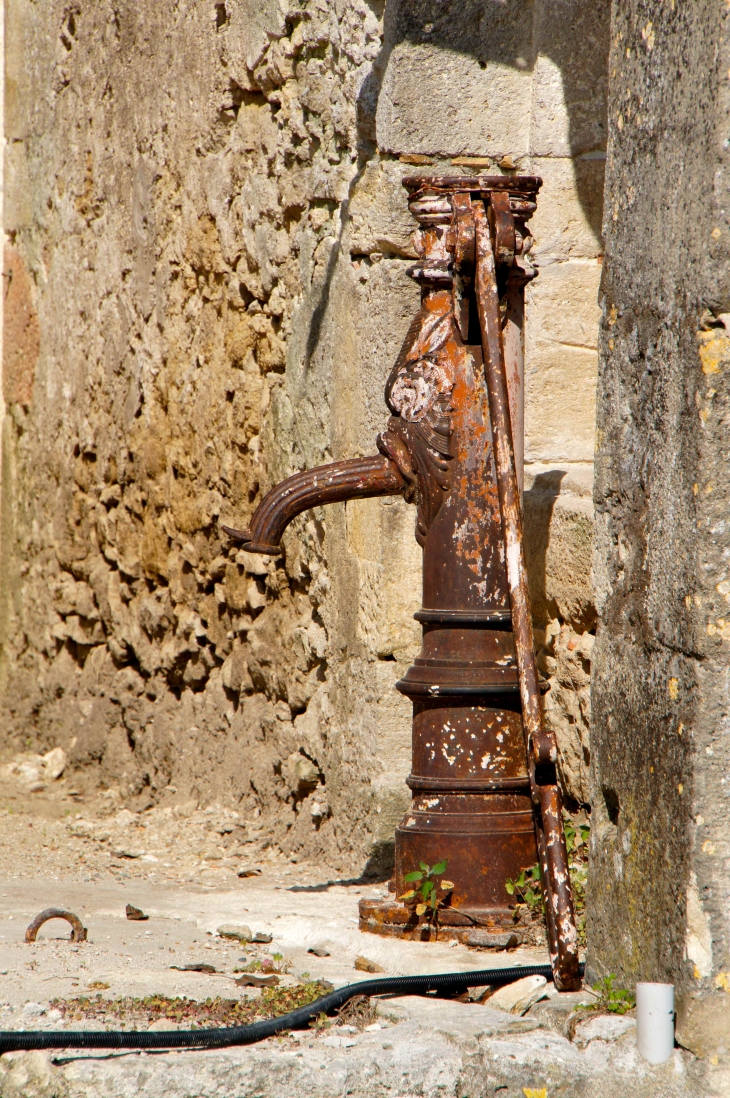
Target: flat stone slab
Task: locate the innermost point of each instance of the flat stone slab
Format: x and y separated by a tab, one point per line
407	1060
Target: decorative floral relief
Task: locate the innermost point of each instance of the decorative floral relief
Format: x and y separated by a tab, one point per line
418	388
419	394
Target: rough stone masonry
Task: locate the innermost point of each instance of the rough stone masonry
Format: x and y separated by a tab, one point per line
660	895
205	289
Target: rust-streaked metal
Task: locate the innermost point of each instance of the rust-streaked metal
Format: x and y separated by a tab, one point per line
540	744
471	802
78	931
473	787
514	361
503	228
357	478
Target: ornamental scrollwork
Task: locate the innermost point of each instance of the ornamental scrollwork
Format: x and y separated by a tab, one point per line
418	394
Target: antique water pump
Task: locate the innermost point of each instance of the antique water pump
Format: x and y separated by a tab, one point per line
483	778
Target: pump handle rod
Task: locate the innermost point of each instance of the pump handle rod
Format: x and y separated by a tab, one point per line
540	744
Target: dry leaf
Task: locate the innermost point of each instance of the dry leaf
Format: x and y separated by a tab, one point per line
249	980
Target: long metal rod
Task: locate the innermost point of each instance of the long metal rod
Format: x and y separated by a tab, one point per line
540	744
514	361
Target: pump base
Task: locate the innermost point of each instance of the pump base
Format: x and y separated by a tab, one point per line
486	928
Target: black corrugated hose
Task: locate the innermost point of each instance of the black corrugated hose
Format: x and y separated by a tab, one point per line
449	982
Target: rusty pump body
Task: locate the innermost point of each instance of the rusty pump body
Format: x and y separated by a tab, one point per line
485	793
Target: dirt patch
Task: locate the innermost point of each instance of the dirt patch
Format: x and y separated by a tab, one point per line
131	1013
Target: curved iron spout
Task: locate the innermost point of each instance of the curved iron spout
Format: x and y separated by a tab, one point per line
356	478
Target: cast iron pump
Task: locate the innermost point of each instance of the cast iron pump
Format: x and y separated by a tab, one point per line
483	778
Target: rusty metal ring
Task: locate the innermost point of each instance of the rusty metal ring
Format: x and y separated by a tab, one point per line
78	932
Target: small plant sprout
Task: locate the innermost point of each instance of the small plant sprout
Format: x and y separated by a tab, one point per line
576	834
612	1000
527	888
277	963
428	893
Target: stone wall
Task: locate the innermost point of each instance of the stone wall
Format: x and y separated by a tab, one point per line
660	890
205	290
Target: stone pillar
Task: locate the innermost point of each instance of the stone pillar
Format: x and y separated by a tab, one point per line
660	888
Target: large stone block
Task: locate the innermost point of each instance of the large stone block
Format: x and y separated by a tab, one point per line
560	401
558	511
562	306
438	101
567	223
456	86
660	743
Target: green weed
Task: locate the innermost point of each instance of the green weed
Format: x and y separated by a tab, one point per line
426	895
611	1000
527	889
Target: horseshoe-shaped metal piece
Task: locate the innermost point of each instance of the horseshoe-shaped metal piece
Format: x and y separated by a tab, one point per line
78	932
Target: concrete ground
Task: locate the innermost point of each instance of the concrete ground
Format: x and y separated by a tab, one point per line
180	866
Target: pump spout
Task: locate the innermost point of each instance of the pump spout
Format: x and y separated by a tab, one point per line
356	478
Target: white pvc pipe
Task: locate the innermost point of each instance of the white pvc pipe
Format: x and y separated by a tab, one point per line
655	1021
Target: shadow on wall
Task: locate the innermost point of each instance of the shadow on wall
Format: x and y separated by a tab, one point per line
539	503
557	41
563	44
